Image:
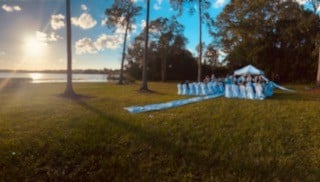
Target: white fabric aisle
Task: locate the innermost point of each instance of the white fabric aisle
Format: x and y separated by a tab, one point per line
171	104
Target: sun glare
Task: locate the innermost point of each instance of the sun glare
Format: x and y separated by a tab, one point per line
35	76
34	47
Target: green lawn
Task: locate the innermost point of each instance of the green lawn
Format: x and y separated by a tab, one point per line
45	137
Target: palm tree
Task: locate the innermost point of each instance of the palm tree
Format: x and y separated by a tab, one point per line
122	13
318	71
202	4
315	5
144	84
69	90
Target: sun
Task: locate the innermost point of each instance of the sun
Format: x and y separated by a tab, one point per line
34	47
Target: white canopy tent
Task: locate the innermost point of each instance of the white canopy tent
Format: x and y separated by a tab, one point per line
249	69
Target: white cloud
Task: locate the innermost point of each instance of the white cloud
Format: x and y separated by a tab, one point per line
45	38
120	29
222	53
219	3
54	37
108	41
103	21
17	8
157	5
8	8
134	28
84	7
2	53
85	45
85	21
104	41
57	21
41	36
301	1
142	24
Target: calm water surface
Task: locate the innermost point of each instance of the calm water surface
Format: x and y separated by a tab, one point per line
56	77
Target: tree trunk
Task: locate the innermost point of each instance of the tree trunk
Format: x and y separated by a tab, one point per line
124	52
69	90
318	72
164	69
144	85
200	42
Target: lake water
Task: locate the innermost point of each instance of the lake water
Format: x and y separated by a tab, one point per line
56	77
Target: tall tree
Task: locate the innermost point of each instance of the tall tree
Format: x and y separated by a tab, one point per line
69	90
211	55
202	14
144	84
275	35
167	33
166	43
315	6
121	14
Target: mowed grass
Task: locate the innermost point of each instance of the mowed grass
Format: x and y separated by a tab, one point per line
45	137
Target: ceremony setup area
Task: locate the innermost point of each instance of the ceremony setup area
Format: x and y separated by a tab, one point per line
246	83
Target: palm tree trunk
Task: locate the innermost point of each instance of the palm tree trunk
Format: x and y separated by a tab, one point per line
144	85
200	42
318	72
124	52
69	90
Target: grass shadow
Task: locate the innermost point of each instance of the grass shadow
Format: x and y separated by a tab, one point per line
75	97
150	92
153	138
187	156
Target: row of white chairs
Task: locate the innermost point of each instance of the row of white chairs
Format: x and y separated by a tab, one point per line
196	88
248	91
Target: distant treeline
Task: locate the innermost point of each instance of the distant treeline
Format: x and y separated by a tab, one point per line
280	37
78	71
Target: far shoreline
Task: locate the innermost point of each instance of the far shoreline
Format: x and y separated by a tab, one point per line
76	71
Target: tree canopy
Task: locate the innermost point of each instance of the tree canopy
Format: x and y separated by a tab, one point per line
278	36
122	13
203	6
168	58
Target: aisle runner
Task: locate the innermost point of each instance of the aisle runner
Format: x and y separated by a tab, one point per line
282	87
167	105
176	103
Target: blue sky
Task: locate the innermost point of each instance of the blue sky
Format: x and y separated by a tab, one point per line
32	33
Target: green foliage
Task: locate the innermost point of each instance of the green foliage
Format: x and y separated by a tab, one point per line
122	13
279	37
45	137
203	15
167	56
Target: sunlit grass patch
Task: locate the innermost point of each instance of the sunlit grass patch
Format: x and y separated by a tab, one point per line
44	136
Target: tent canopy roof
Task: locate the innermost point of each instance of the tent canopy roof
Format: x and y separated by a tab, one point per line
249	69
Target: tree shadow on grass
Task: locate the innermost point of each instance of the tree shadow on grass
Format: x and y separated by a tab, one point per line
201	165
150	92
155	139
75	97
